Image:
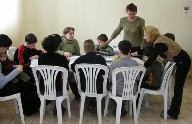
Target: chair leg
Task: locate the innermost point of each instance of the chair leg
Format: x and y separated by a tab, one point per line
170	90
106	105
130	107
118	110
16	106
68	107
135	111
20	108
59	113
165	105
140	102
42	110
82	108
99	114
147	100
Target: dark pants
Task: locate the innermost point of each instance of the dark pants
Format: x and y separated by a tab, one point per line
29	98
183	63
10	89
145	85
72	83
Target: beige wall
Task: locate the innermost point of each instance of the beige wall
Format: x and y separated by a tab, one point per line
93	17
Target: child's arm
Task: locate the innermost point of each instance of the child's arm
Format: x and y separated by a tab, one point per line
5	79
111	52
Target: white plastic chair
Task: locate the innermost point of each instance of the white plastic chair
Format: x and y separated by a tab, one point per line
17	102
91	73
11	52
163	90
49	74
130	75
168	64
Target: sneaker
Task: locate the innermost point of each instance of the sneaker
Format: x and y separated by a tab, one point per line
168	116
55	110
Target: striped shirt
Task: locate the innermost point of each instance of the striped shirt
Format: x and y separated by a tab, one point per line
106	51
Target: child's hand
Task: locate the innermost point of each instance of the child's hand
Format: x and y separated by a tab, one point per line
67	54
68	58
134	54
20	68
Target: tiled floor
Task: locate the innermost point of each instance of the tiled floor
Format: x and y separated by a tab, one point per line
150	115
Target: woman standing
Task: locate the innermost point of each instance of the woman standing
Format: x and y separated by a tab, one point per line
133	28
172	51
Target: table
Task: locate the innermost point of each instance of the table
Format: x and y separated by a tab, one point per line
108	59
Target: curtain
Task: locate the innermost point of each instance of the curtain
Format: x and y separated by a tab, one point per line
11	20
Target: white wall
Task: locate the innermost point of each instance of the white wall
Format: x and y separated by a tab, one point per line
93	17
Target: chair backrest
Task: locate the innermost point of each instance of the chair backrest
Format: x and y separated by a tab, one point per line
49	74
11	52
130	76
91	72
166	75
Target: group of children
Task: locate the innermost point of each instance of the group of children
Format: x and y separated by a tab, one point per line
59	49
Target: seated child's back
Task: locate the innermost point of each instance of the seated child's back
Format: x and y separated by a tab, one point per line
92	58
124	61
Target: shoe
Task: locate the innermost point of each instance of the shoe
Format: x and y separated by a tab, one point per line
168	116
77	96
55	110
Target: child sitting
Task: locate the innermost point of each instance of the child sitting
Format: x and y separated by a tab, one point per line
124	61
155	70
92	58
26	53
103	48
8	66
51	45
153	74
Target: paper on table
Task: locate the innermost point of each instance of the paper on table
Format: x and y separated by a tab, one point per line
34	63
73	58
108	58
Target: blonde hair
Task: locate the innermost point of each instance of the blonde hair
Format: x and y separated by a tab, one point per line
89	45
152	32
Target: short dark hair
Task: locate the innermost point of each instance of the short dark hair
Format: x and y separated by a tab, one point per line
147	51
131	7
58	36
50	43
125	46
5	41
89	45
30	38
170	35
102	37
67	30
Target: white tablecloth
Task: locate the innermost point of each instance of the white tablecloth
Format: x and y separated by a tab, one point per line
108	59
